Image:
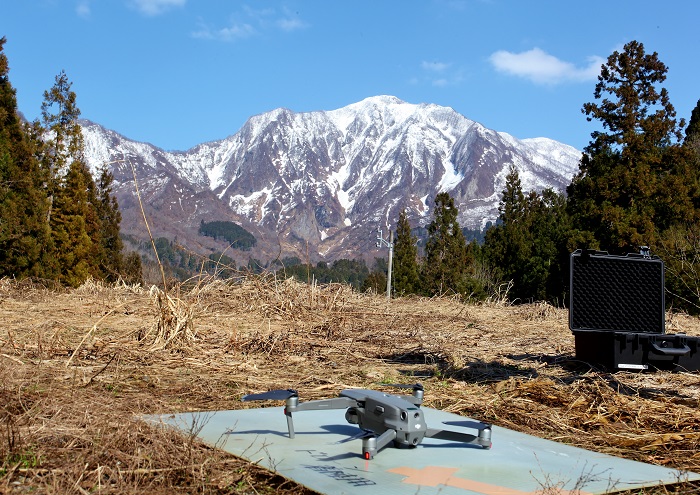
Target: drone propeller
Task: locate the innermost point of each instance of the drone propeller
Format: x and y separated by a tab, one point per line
414	387
362	434
417	388
272	395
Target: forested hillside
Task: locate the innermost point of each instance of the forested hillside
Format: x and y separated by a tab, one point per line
56	222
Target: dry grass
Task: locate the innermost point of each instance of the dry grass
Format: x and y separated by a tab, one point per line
77	367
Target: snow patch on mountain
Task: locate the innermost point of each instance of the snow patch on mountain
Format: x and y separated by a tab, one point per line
326	177
450	178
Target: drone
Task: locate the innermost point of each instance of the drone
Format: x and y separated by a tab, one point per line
383	418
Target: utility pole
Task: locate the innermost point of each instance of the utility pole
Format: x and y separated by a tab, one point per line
390	244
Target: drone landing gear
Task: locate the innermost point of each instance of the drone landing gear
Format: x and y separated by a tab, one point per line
484	437
373	444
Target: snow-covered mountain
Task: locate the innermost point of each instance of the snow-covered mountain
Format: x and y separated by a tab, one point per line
322	182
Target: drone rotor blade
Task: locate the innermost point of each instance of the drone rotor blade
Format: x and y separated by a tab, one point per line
483	438
452	436
361	434
272	395
415	386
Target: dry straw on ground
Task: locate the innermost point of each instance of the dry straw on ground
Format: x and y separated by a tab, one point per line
78	367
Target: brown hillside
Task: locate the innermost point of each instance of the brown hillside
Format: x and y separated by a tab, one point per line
77	368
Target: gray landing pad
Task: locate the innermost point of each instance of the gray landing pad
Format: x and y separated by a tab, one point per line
517	464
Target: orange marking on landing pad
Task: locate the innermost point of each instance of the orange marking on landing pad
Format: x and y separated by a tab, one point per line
434	476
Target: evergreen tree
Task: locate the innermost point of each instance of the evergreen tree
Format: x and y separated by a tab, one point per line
680	243
73	215
132	271
692	134
71	224
634	179
405	263
62	139
446	264
693	130
546	272
111	262
375	282
25	245
528	246
507	245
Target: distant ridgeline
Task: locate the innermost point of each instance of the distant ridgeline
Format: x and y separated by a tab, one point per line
237	236
182	264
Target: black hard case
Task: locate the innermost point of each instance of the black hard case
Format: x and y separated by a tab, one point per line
617	314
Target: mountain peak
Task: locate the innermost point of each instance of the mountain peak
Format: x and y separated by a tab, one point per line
323	181
382	100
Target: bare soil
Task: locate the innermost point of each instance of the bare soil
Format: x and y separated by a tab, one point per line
79	367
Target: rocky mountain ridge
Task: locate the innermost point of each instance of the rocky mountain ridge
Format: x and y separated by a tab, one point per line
319	184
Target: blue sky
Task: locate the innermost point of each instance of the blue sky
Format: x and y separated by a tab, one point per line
176	73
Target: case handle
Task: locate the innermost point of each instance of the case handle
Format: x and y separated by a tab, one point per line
670	351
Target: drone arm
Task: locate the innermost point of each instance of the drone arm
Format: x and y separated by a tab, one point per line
384	439
483	438
292	404
371	444
317	405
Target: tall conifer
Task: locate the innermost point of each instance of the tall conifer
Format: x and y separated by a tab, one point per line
446	263
73	215
680	243
528	245
70	226
405	264
61	136
693	129
634	180
111	246
507	244
24	236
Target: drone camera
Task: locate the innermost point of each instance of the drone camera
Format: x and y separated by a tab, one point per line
352	416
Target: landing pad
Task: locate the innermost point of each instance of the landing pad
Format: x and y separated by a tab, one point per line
320	458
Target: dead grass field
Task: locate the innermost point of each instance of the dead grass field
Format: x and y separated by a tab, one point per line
78	367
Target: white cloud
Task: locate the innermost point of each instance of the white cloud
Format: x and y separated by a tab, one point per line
439	74
83	8
543	68
249	22
155	7
435	66
290	24
235	31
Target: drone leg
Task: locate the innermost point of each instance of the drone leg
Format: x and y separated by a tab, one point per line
372	445
485	437
369	447
291	404
290	424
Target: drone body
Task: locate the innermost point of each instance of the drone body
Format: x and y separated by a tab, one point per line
383	418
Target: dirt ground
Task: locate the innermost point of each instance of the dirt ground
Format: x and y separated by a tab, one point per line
78	368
